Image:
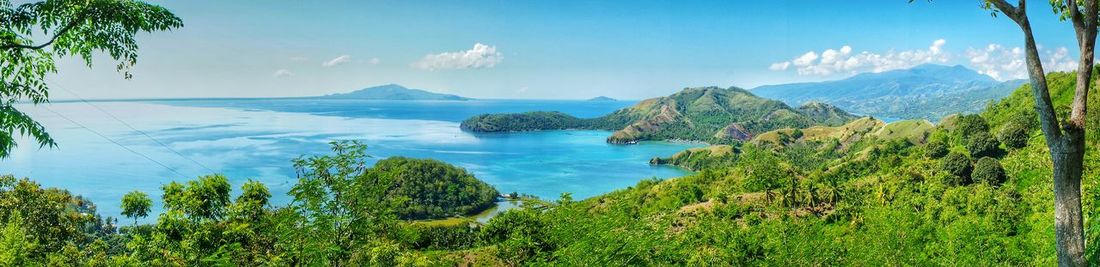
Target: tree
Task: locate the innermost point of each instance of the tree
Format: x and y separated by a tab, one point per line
1066	140
989	171
1014	135
136	204
70	28
982	145
958	166
935	149
972	124
336	211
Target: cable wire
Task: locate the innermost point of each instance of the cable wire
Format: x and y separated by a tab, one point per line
139	131
114	142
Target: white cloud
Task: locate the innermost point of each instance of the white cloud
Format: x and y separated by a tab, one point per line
843	61
780	66
282	73
1003	63
522	90
806	59
374	61
480	56
937	46
340	60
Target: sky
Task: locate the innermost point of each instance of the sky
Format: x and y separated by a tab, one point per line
554	49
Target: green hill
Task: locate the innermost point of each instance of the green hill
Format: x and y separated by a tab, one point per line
708	114
430	189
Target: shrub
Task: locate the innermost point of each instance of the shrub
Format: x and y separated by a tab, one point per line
988	170
958	166
1014	135
935	149
970	125
982	145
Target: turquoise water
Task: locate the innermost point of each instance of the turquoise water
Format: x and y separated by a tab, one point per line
257	138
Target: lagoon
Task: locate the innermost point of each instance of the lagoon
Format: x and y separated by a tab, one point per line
257	138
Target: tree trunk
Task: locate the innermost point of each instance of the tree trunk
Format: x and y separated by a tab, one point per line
1068	223
1067	144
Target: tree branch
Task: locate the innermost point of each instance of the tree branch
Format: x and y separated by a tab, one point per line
72	24
1049	120
1075	13
1086	39
1009	10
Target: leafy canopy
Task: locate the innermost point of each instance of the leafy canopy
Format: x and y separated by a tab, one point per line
69	28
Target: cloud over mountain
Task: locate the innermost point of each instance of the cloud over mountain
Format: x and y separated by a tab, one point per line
843	61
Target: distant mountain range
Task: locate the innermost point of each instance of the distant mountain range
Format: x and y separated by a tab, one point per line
393	92
712	114
923	92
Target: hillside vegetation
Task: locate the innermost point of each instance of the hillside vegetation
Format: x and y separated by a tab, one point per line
974	191
709	114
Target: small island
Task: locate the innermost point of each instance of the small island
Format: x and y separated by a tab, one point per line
602	98
430	189
393	92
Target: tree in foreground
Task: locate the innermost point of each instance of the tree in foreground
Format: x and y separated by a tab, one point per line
33	35
1066	139
136	204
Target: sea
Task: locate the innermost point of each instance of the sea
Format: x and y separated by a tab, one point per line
108	148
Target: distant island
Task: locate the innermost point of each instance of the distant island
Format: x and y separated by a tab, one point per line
602	98
393	92
709	114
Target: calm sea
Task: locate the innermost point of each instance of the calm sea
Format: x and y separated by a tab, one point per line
257	138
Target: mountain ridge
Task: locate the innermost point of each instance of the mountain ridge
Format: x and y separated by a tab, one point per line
927	91
393	92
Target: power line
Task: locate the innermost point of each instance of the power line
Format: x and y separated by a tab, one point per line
139	131
115	142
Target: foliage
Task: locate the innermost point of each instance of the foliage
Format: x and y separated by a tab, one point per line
957	166
982	145
429	189
136	204
988	170
970	125
696	159
871	201
1014	135
935	149
528	121
68	28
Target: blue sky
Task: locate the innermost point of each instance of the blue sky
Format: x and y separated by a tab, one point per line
553	49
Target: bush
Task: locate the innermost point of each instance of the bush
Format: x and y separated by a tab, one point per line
958	166
1014	135
970	125
982	145
988	170
935	149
